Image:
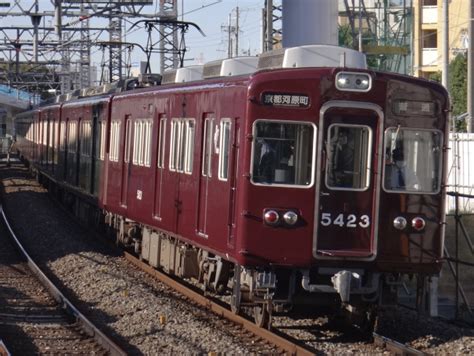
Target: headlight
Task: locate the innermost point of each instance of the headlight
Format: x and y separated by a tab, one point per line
290	217
352	81
399	223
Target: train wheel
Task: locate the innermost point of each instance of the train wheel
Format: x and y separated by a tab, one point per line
261	315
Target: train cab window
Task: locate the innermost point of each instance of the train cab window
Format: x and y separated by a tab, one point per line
348	157
412	160
283	153
224	148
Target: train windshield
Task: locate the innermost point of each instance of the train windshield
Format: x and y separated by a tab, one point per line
412	160
348	157
283	153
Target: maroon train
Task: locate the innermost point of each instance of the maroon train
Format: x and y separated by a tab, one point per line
301	179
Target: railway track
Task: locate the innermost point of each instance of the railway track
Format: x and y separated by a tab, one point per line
35	318
286	344
394	347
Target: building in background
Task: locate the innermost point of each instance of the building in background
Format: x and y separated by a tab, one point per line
428	33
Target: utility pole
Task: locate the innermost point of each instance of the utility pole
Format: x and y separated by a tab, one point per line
445	45
237	29
232	34
470	70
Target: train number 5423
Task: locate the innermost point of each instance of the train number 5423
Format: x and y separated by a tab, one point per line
342	220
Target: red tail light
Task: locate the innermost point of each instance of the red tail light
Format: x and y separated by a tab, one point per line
418	223
271	217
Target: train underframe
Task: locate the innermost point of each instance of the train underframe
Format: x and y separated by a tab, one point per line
353	296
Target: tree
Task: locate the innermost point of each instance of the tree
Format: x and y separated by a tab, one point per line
457	87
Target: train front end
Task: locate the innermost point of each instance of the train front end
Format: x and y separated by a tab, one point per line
343	183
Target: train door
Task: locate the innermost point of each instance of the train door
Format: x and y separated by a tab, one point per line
205	174
348	182
219	207
126	161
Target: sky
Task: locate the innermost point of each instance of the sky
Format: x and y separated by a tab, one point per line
209	15
213	18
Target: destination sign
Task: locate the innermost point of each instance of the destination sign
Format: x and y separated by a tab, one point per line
281	99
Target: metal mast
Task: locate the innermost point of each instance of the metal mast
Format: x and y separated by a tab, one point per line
169	35
115	46
271	29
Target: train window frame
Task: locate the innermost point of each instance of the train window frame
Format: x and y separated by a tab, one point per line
72	137
128	139
141	143
114	140
368	166
62	136
102	135
440	162
162	142
56	135
188	142
313	154
51	133
208	132
85	137
175	134
225	138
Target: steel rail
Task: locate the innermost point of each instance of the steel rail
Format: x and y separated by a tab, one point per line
282	343
68	307
395	347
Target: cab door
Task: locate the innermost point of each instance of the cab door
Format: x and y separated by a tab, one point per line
348	182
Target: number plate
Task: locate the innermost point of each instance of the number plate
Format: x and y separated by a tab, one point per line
342	220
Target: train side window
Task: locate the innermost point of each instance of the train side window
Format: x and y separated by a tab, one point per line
114	141
86	138
72	137
45	133
349	149
413	159
62	137
102	140
188	142
175	144
283	153
224	145
128	138
207	149
147	143
51	134
162	143
56	135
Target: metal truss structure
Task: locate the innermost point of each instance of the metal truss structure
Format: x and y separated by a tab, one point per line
385	31
54	52
272	26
